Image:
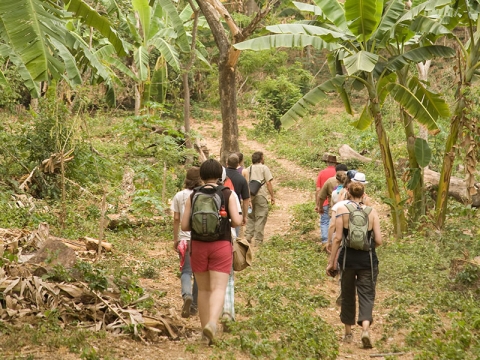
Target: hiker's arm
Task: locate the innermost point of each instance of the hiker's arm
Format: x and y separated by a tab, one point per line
245	203
317	192
336	242
246	175
176	228
376	229
322	196
270	190
186	215
331	230
233	211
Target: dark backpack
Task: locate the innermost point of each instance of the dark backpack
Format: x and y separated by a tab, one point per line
358	228
208	217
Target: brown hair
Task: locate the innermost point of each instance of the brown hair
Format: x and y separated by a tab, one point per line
257	157
240	157
341	176
192	180
356	189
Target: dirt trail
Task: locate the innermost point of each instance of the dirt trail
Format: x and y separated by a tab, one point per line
279	222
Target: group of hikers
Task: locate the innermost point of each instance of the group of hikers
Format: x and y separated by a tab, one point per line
217	202
350	232
209	214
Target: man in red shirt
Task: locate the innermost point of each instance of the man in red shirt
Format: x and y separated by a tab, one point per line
322	209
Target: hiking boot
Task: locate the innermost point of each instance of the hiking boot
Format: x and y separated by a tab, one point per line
193	310
187	302
348	338
367	344
209	332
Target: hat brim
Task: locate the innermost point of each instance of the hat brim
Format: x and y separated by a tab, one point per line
360	181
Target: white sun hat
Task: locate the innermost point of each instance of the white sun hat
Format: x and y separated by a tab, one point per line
360	177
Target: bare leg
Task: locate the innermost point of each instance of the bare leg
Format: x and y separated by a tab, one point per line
365	325
203	283
211	295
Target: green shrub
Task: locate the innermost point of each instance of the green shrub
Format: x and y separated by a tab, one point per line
279	95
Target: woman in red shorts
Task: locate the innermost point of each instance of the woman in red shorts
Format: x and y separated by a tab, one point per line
212	261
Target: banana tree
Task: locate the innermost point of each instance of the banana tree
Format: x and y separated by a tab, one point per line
462	13
358	34
33	35
154	26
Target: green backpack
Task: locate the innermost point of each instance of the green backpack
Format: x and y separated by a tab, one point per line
208	216
358	228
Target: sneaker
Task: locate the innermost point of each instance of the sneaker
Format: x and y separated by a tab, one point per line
193	310
367	344
187	302
348	338
209	333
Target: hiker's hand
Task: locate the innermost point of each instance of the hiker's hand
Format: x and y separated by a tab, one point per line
328	247
273	201
175	245
320	210
244	220
331	271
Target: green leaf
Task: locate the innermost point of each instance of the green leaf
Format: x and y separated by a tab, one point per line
284	40
334	12
182	40
425	6
92	18
326	34
360	61
143	10
310	100
168	51
420	54
364	120
73	74
363	17
307	7
422	152
382	91
22	21
141	62
415	177
392	11
424	25
421	104
3	80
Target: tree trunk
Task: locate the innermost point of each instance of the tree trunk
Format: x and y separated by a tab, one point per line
398	216
186	117
457	123
447	165
417	207
228	99
214	11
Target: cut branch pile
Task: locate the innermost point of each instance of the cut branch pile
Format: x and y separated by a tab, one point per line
48	166
32	296
25	295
